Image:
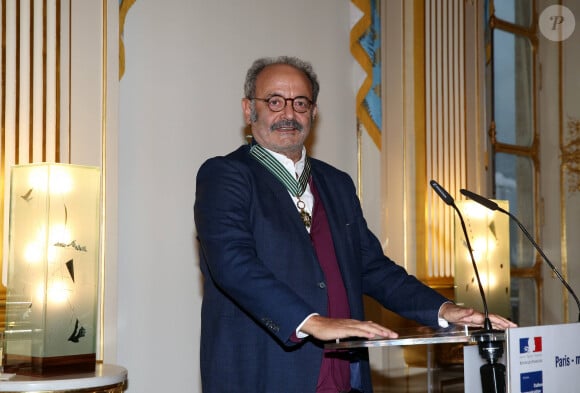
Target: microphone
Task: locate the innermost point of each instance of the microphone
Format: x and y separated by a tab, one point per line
494	206
448	199
490	348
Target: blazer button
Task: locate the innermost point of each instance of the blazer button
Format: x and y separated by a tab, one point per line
321	285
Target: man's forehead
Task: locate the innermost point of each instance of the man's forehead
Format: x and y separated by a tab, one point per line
280	74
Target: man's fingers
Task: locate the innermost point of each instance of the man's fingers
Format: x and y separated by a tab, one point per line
331	329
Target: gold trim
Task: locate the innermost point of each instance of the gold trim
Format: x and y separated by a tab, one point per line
102	272
2	154
570	151
361	57
69	80
31	83
57	92
528	32
420	138
359	160
123	10
115	388
17	89
44	75
563	191
406	247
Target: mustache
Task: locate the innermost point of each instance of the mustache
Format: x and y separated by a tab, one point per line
293	123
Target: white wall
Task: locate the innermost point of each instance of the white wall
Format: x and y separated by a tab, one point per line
180	104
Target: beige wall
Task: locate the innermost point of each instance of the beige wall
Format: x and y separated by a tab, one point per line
179	105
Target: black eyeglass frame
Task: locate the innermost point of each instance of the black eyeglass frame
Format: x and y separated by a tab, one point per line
268	100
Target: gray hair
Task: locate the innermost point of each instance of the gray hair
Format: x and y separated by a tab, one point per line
259	65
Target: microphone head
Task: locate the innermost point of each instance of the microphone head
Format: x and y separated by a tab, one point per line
443	194
479	199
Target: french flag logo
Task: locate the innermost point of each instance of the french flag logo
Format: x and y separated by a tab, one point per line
530	344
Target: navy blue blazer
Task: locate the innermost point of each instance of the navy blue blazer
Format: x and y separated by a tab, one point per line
262	277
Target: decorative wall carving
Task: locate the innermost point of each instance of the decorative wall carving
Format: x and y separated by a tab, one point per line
570	155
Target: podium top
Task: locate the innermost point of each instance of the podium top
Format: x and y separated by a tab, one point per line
418	336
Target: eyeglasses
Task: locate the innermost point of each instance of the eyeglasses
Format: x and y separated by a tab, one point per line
277	103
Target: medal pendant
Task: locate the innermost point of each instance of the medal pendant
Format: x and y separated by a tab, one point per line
306	217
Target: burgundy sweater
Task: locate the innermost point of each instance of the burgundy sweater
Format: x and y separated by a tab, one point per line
334	372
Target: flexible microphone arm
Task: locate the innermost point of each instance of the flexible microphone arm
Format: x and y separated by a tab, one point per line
493	372
494	206
448	199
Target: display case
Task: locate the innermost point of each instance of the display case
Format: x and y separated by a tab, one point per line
53	259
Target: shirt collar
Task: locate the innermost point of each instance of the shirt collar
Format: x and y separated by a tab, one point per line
293	168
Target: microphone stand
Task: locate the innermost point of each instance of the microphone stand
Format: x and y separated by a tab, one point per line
490	347
494	206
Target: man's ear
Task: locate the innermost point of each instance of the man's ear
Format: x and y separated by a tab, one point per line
314	112
247	109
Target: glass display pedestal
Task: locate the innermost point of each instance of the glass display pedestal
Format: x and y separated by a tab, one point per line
106	378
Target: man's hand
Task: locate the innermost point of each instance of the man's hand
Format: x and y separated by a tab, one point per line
327	329
458	315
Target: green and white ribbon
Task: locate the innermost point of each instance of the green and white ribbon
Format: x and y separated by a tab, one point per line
295	187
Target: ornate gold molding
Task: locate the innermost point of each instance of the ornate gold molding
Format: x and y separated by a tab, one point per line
570	155
124	7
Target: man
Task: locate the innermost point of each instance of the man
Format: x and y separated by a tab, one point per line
287	255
